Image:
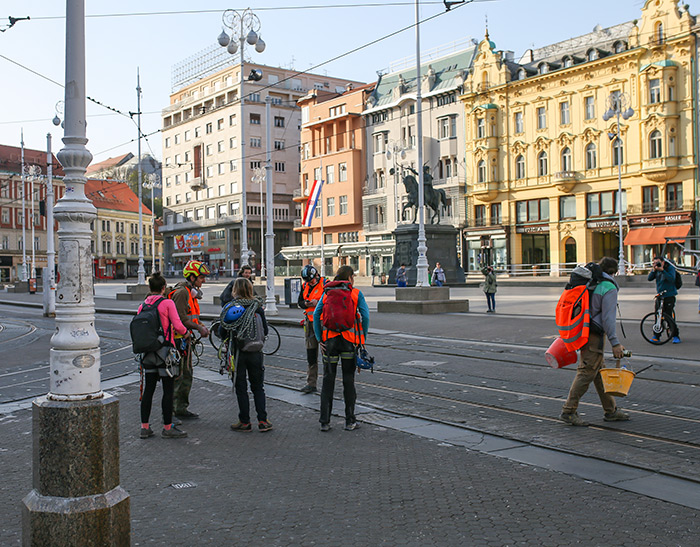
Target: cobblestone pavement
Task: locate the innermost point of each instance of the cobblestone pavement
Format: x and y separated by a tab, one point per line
374	486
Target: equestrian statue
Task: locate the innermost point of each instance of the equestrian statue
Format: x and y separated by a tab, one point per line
431	197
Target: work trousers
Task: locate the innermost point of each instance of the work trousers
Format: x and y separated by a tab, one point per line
183	383
338	349
669	306
250	364
311	353
588	371
150	381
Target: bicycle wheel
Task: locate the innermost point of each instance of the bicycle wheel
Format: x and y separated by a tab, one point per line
214	339
272	341
654	333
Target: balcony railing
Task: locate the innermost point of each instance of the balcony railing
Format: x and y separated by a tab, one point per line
674	205
374	226
367	191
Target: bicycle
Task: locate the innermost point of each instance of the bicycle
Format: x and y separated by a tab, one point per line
272	340
657	327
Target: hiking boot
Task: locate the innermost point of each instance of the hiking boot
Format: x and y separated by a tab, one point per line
173	433
186	414
352	426
676	340
325	427
308	389
572	418
617	416
264	425
240	426
175	421
146	432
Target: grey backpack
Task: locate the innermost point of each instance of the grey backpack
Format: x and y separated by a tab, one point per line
256	341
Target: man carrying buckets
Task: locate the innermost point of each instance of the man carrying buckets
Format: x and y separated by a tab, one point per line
603	305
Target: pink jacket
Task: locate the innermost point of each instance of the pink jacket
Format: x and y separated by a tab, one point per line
168	315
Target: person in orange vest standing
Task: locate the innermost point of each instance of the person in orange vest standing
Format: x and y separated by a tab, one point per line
341	323
310	295
186	296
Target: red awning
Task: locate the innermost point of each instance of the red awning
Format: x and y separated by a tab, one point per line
656	235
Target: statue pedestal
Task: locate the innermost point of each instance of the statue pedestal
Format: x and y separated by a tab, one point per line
134	292
423	300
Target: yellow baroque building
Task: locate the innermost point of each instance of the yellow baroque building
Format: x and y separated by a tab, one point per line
543	149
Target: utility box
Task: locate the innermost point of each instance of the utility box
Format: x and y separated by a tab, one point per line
292	290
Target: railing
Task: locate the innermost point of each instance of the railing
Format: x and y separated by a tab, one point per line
674	205
297	223
374	226
367	191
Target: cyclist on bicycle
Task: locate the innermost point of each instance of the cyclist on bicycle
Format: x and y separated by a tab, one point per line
311	293
664	273
186	296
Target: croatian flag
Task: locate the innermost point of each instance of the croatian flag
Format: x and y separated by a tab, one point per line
312	202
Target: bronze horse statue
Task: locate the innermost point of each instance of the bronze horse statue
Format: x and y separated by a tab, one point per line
431	197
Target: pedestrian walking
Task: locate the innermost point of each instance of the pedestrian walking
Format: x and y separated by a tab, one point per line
227	293
249	362
401	276
438	277
664	273
602	307
186	296
697	284
311	292
344	326
156	370
489	287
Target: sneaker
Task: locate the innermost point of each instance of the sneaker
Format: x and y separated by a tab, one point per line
264	425
146	432
655	339
175	421
240	426
308	389
617	416
676	340
572	418
325	427
352	426
186	414
173	433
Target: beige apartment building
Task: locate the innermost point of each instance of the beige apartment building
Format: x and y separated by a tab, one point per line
390	118
203	158
542	160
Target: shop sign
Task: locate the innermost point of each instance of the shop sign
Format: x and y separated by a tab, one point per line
532	229
669	218
213	249
598	224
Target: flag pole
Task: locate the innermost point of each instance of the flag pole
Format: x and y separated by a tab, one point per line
320	199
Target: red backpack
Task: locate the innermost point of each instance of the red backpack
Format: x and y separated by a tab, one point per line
339	311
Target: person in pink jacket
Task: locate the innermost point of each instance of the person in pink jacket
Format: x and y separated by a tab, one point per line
170	320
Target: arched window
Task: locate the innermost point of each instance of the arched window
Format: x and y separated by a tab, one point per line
619	46
592	54
522	74
591	156
520	167
659	32
543	68
481	171
542	164
566	159
568	61
617	152
655	149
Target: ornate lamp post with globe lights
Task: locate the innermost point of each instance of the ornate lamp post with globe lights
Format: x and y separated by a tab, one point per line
244	27
619	105
150	185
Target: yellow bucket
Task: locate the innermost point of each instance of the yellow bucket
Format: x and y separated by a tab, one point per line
617	381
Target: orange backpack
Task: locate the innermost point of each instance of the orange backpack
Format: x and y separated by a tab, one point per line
573	317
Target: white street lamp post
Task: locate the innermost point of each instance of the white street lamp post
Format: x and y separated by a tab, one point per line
141	271
50	291
153	183
24	215
34	173
244	27
619	106
259	178
270	302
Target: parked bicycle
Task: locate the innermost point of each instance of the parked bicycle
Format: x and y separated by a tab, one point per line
272	340
658	327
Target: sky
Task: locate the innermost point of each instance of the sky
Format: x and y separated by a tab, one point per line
298	33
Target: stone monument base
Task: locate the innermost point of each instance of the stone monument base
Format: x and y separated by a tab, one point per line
77	499
134	292
422	301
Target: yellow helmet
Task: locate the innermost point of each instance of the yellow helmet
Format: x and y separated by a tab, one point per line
196	268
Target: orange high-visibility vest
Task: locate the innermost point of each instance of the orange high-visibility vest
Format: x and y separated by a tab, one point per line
573	317
354	336
192	307
312	293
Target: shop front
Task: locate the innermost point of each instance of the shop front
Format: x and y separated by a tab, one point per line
649	233
604	239
487	247
534	246
5	269
104	268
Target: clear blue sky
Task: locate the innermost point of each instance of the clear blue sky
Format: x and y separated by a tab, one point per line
116	46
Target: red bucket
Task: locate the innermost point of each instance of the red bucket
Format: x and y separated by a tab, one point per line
558	356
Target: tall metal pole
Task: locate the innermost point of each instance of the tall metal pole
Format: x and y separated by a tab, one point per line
153	230
76	425
270	302
24	215
50	250
141	271
422	264
261	179
33	176
244	195
323	237
621	251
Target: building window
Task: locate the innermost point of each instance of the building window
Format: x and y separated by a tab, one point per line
592	55
177	138
210	212
380	141
568	62
279	121
255	119
233	165
534	210
255	142
589	107
617	152
255	98
167	142
566	159
330	174
279	145
520	167
447	127
342	172
495	214
650	199
480	128
232	142
655	149
519	122
604	203
542	164
543	68
330	207
479	215
210	171
343	205
564	114
220	146
220	124
209	150
541	118
674	196
659	32
232	120
591	156
481	171
255	164
222	168
654	91
279	167
522	74
619	47
567	207
208	128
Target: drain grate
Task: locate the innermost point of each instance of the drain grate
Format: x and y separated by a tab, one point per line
183	485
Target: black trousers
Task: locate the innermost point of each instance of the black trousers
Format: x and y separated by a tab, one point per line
338	349
669	309
150	381
250	363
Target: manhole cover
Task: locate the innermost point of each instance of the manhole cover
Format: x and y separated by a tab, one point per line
183	485
421	363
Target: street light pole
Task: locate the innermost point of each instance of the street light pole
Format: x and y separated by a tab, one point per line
24	214
141	271
153	183
270	302
76	425
50	308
